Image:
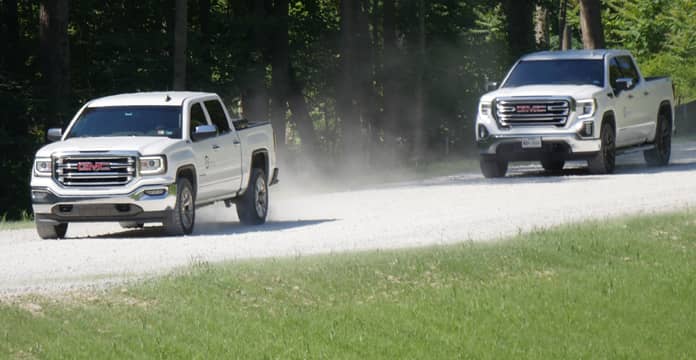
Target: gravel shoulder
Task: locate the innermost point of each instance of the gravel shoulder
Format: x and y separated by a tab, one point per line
441	210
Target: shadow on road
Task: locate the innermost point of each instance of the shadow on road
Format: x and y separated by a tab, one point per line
210	228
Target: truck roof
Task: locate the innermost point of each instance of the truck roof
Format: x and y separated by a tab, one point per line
159	98
574	54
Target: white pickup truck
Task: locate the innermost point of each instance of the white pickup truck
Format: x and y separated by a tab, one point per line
152	157
575	105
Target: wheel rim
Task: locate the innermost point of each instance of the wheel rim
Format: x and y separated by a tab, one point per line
260	197
609	149
186	209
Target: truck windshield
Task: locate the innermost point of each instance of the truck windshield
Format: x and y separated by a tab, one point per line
129	121
557	72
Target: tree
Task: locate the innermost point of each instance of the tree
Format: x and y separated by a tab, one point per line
520	26
591	24
563	28
55	54
180	47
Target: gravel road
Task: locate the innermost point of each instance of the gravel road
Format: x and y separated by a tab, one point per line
435	211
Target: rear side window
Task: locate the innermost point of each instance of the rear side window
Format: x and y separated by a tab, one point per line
197	117
217	115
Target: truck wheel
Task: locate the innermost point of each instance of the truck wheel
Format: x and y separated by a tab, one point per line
181	220
49	230
493	168
553	165
605	160
659	156
252	207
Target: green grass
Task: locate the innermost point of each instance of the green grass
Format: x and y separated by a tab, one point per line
25	222
621	289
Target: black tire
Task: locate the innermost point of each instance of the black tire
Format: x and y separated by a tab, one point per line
252	207
51	230
493	168
659	156
182	219
605	160
131	225
553	165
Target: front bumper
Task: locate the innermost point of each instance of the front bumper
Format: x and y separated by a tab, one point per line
142	204
563	146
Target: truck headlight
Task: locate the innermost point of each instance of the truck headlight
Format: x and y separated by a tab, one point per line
586	108
43	167
485	109
153	165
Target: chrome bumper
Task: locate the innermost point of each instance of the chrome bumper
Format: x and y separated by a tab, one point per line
137	205
575	144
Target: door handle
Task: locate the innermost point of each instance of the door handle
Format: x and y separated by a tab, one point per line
235	141
215	147
630	96
646	93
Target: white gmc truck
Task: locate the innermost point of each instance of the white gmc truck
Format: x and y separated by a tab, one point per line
152	157
575	105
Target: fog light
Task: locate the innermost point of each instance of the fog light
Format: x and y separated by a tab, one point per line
588	129
482	132
156	192
123	207
65	208
39	195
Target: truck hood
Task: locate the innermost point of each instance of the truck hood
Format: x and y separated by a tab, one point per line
578	92
145	145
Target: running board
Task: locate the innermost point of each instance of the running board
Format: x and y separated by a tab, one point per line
635	149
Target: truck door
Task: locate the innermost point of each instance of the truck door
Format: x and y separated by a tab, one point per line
646	109
226	149
627	108
203	154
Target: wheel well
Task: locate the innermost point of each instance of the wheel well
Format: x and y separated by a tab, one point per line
259	160
666	109
609	117
189	173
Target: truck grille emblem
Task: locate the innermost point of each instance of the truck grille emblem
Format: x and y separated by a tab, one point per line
529	109
92	166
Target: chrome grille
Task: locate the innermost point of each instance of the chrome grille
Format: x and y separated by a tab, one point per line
532	111
94	170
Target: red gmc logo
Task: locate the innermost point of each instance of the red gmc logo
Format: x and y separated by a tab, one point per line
92	166
526	109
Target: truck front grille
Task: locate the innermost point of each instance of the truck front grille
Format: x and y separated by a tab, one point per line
532	111
103	170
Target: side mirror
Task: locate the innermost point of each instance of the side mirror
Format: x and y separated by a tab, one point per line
54	134
623	84
492	86
203	132
240	124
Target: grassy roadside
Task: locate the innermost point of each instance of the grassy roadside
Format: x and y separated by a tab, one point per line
621	289
25	223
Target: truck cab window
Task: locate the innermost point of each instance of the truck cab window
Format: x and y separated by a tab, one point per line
628	68
197	117
217	115
614	73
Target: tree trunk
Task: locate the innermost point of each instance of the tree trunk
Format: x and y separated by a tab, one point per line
11	36
419	110
180	47
520	27
541	27
55	53
591	24
255	94
300	113
280	62
563	29
204	19
390	73
350	123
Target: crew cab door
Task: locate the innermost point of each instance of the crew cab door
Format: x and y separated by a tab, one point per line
645	106
628	110
208	173
226	149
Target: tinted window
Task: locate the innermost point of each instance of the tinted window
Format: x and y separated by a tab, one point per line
628	69
614	72
560	72
217	115
128	121
197	117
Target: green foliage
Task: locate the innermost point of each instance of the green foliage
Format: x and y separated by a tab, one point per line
622	289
